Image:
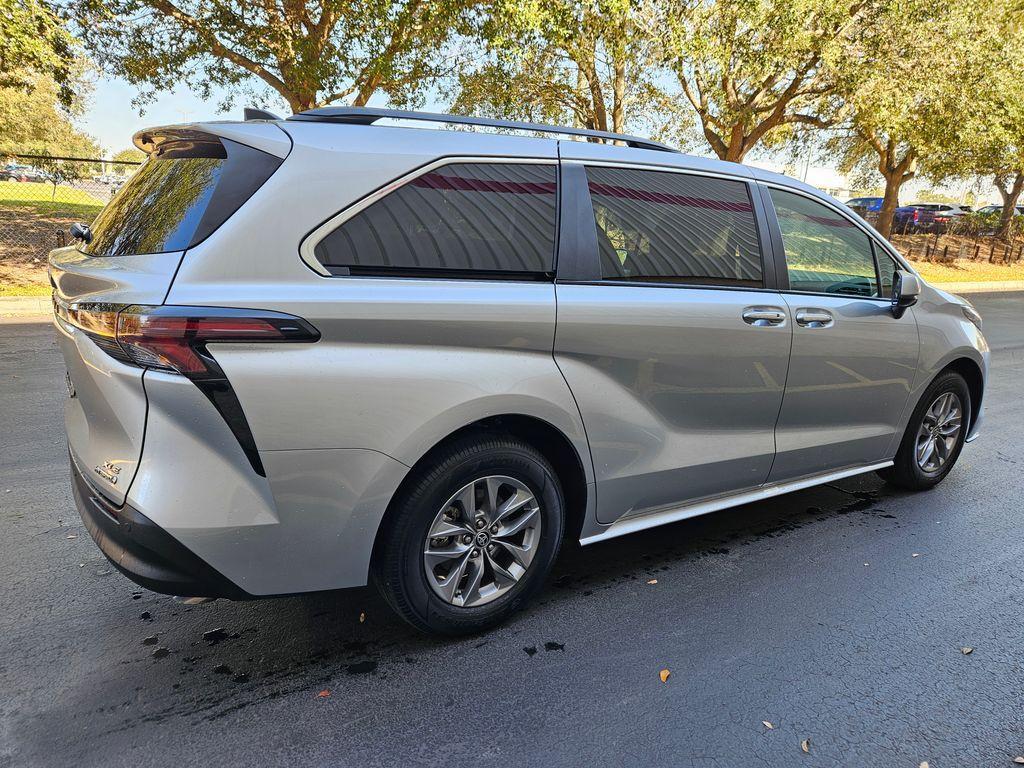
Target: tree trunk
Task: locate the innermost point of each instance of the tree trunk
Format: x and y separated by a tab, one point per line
890	202
619	99
1010	194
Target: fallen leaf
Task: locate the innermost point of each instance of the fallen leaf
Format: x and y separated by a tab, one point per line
362	618
805	745
323	694
966	650
767	724
653	581
664	675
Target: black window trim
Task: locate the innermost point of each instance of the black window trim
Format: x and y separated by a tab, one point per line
578	255
878	244
307	247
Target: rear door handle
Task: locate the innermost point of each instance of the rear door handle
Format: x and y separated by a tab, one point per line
814	318
763	316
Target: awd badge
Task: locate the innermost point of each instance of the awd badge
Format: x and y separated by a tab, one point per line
109	471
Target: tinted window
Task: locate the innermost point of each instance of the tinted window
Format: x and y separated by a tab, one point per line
464	217
179	197
655	226
825	252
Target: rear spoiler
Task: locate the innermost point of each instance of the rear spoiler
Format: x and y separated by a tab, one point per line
264	136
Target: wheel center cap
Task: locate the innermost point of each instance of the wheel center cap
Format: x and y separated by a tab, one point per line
482	539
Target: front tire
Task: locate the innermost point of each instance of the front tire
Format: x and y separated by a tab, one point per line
472	536
934	437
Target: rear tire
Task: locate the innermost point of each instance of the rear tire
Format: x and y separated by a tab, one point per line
928	450
417	568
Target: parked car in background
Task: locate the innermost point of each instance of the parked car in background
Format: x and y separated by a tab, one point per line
310	353
988	210
985	221
905	219
941	216
15	172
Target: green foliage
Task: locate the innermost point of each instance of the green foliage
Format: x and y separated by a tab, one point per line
583	62
310	52
755	70
31	122
916	75
34	43
130	155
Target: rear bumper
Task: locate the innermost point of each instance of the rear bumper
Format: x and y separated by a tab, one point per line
143	551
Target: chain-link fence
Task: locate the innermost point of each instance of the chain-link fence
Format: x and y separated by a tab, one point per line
41	196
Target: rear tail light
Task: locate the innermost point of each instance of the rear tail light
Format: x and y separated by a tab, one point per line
916	214
174	339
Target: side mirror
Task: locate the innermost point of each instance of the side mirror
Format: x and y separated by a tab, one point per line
81	232
906	289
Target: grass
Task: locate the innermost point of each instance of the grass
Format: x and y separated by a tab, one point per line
969	271
39	197
30	289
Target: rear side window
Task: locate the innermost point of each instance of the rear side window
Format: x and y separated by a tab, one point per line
469	219
664	227
179	197
825	252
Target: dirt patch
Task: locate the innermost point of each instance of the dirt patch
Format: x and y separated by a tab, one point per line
26	236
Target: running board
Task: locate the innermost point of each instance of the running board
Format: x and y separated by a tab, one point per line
622	526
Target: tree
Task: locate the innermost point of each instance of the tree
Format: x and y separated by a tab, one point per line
311	52
990	131
33	121
754	70
34	43
130	155
577	61
915	76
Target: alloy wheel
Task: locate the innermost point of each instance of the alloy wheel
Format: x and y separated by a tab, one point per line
939	431
482	541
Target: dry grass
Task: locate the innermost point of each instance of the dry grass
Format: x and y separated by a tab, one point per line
23	279
969	271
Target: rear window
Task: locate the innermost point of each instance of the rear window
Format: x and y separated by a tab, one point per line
179	196
489	220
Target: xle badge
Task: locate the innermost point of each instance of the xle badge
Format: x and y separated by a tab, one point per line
109	471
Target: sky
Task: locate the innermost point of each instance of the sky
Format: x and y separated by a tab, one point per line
112	120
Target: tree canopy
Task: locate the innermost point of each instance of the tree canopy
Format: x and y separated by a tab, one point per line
32	121
310	52
754	69
34	42
578	61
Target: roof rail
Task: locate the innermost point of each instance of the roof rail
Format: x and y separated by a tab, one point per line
370	115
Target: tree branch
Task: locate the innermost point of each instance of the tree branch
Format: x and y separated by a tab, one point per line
219	48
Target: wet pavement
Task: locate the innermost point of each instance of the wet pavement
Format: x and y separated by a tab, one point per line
838	615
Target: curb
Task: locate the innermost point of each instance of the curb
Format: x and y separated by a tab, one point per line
25	306
991	286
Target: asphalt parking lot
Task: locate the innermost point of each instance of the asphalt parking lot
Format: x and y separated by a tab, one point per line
839	615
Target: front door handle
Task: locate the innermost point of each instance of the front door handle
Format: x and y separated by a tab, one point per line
763	316
814	318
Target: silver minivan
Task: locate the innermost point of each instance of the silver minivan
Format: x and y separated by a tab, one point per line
310	353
